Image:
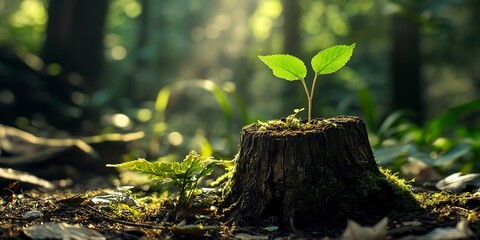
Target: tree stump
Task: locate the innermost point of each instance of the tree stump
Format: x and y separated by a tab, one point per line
310	178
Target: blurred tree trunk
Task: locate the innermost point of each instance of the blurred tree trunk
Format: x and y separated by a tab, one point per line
291	43
475	39
74	36
291	25
406	63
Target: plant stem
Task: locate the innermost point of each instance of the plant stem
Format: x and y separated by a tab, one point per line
313	86
182	201
309	98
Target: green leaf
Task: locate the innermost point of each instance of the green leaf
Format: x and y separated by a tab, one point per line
449	157
193	167
285	66
183	175
389	154
159	171
440	124
332	59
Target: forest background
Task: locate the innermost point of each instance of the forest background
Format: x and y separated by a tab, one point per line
186	71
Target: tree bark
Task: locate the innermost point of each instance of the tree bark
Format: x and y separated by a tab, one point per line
309	179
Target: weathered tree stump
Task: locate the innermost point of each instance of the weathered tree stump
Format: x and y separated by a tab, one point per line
310	178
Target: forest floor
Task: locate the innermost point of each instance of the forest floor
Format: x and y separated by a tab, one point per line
86	204
109	213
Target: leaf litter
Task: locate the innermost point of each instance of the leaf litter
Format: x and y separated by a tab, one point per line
49	211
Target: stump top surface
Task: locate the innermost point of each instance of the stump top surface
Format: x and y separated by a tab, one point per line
317	125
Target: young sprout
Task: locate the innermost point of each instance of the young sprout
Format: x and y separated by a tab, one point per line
291	68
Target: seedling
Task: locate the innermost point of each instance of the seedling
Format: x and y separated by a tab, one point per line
292	68
184	175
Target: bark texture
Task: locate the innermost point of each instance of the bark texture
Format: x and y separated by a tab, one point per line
310	178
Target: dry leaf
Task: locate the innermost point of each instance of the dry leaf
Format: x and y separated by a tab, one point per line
53	230
461	231
356	232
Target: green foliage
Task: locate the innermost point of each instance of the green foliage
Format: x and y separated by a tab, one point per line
365	98
183	175
22	24
228	102
285	66
332	59
444	143
291	68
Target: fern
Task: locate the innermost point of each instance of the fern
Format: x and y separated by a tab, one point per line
183	175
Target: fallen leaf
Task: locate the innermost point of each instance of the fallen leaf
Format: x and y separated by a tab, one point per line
114	197
356	232
51	230
459	182
460	231
32	215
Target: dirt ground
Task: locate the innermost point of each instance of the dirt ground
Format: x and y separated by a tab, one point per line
150	218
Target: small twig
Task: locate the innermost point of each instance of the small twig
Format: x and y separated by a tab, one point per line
34	198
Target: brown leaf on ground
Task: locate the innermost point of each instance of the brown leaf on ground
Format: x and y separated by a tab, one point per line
355	231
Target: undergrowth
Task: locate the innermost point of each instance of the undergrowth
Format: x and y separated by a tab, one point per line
184	175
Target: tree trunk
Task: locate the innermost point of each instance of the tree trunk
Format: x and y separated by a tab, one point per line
74	36
291	26
407	90
310	179
291	45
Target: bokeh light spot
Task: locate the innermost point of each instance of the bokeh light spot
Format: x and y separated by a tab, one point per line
32	12
118	52
111	40
144	114
175	138
54	69
121	120
133	9
33	61
79	98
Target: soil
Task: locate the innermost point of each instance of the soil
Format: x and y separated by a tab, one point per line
152	220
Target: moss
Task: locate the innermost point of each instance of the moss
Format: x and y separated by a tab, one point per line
401	187
292	123
395	193
452	206
435	201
